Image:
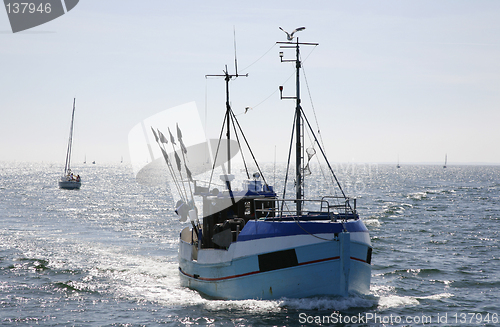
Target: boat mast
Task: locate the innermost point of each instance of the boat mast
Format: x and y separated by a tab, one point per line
227	78
298	135
298	119
70	141
228	123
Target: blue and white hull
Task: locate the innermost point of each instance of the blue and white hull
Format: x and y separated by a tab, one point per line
274	259
252	244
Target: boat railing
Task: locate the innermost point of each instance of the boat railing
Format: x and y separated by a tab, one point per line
328	207
343	203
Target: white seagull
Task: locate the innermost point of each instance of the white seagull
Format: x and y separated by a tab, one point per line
289	36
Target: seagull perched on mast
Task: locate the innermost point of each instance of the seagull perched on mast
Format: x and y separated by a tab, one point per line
289	36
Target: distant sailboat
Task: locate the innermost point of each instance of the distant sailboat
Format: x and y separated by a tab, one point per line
69	181
445	160
85	160
398	166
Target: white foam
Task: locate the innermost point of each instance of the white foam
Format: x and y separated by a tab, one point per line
436	296
372	222
387	299
328	303
255	306
392	301
417	195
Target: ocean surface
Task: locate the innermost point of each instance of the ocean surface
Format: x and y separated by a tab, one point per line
106	255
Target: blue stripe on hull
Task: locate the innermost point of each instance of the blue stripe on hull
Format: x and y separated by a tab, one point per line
255	229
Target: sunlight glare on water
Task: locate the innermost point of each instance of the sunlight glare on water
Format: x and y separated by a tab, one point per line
107	254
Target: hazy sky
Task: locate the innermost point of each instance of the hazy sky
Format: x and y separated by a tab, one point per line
414	79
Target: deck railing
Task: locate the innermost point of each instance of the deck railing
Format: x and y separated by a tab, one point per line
332	207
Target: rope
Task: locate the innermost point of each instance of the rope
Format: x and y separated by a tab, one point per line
288	164
248	146
233	118
217	152
317	124
274	44
318	237
312	106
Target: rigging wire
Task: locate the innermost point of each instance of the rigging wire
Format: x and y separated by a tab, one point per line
323	174
312	104
324	156
217	152
288	164
248	146
232	119
316	120
271	48
283	83
206	103
319	237
274	44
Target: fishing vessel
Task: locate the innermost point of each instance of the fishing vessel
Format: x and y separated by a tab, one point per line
69	180
252	243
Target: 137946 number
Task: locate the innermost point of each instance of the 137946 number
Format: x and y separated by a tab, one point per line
28	7
475	318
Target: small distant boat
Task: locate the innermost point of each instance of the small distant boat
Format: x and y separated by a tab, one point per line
69	180
93	162
445	160
398	166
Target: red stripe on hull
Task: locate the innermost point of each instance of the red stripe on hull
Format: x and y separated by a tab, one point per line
256	272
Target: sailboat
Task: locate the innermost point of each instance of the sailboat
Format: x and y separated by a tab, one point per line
254	244
398	165
445	160
69	180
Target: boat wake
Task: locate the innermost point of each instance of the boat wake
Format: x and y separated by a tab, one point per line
387	298
330	303
161	285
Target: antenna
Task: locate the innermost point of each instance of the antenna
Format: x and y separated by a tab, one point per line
235	60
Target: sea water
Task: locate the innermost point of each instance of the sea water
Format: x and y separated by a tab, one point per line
106	255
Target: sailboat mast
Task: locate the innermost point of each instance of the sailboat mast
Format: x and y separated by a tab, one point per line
70	141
